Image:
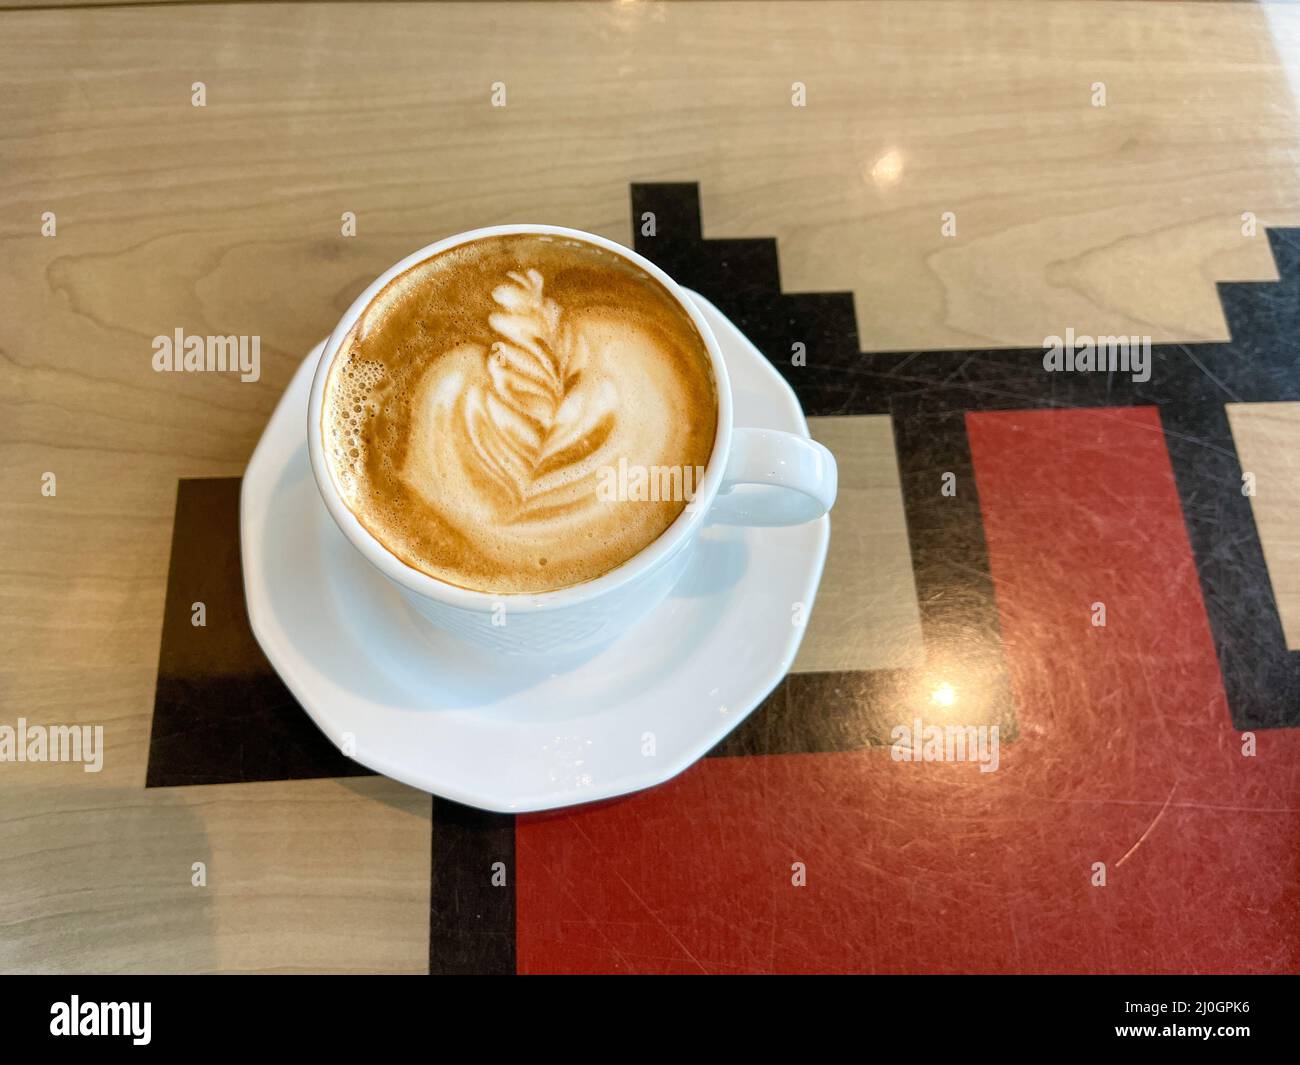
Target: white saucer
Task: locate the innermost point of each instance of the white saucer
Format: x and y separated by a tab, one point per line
507	733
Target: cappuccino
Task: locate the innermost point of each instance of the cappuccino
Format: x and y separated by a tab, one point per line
482	399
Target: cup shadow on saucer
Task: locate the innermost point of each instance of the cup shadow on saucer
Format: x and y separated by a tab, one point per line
355	628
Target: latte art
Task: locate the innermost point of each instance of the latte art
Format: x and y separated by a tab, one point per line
471	411
539	419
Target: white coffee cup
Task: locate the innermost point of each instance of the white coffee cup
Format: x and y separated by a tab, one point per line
584	615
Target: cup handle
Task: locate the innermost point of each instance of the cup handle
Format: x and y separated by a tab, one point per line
803	472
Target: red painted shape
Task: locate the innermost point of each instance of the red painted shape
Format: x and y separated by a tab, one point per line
1126	755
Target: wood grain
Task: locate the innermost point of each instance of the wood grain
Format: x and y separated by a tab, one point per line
316	876
1267	436
866	614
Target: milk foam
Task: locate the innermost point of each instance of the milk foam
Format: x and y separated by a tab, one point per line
472	409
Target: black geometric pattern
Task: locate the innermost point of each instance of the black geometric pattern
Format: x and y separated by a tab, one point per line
1189	383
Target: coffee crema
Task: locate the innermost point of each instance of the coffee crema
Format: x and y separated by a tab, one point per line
483	398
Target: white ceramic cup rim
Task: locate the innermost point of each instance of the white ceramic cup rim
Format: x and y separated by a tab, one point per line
645	560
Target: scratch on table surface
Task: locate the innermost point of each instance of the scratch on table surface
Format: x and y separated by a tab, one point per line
1202	367
644	905
1150	827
